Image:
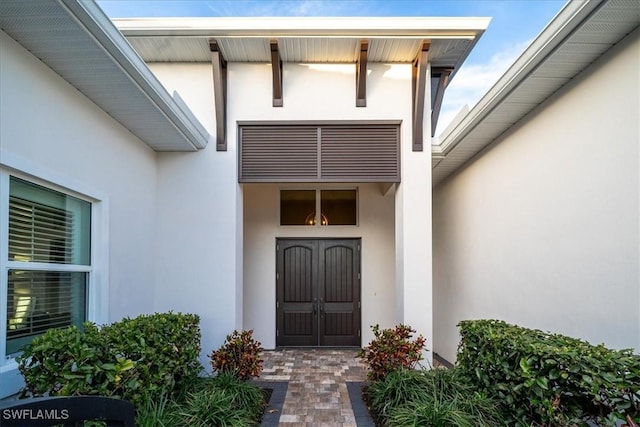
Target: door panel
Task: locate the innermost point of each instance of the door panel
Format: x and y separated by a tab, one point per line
296	293
318	292
339	293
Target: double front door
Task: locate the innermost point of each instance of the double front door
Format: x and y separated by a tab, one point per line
318	292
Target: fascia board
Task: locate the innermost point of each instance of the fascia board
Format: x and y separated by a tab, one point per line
90	17
442	27
551	37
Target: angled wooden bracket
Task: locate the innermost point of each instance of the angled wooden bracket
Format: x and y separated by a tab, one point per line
442	74
361	75
419	84
276	71
220	94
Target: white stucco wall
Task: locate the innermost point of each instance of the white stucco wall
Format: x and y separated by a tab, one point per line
543	229
51	133
199	258
414	240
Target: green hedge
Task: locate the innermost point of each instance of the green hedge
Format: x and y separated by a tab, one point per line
548	379
128	359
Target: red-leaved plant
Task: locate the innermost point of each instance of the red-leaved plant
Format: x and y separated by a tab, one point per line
239	356
392	349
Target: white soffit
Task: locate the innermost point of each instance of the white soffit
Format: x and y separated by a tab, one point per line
77	41
307	40
580	33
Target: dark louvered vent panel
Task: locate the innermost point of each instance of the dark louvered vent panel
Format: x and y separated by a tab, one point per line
348	153
360	153
278	153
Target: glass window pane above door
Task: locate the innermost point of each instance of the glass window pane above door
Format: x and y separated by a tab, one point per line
297	207
338	207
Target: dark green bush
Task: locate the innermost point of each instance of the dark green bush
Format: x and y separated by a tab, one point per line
547	379
164	347
239	356
432	398
392	349
127	359
70	362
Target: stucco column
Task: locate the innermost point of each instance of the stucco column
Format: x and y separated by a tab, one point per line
413	243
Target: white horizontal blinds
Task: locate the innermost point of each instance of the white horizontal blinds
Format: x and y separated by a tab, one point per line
47	226
368	153
41	300
51	229
320	153
39	233
278	153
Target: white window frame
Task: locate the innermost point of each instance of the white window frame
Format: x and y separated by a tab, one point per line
97	292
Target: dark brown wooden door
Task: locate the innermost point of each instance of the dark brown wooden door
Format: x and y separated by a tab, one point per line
318	292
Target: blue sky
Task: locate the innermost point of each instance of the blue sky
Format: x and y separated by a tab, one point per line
515	23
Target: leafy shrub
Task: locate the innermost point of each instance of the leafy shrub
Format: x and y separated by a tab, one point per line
165	348
127	359
71	362
392	349
239	355
437	397
548	379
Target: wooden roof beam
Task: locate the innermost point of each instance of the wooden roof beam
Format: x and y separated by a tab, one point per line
419	84
219	66
443	75
276	71
361	75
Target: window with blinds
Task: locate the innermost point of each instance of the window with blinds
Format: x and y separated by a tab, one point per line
49	261
39	233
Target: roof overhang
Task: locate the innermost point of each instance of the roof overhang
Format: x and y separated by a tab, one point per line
304	39
356	40
79	42
579	34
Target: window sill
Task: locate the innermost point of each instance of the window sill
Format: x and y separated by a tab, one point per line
10	379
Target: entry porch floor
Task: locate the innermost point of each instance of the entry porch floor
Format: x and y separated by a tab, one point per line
318	387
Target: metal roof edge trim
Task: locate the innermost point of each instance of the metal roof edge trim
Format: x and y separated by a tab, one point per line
305	26
552	36
93	20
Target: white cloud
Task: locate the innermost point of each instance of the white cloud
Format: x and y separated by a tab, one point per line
474	80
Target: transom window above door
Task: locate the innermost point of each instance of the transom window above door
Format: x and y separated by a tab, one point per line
319	207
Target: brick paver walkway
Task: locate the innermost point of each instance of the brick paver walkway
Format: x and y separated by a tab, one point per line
317	393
